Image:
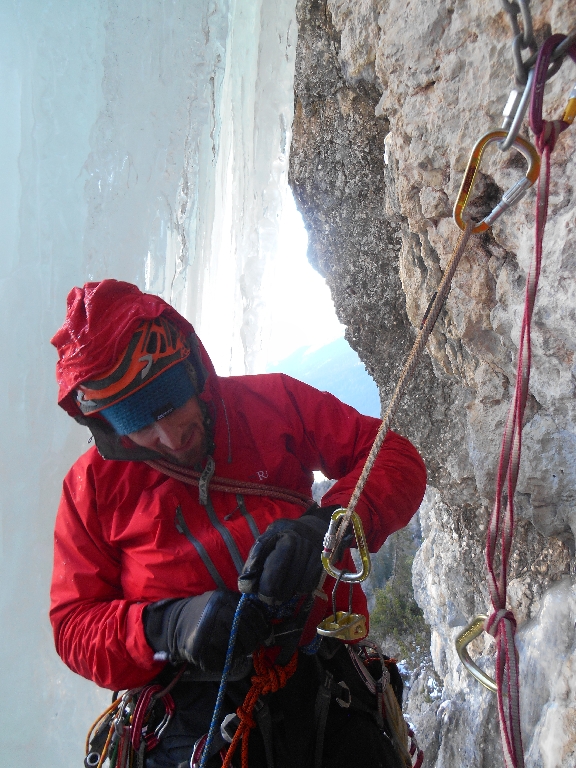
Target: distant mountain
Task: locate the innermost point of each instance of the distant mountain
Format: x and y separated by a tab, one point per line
334	368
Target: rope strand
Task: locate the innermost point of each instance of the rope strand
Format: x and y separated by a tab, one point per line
407	371
230	485
501	623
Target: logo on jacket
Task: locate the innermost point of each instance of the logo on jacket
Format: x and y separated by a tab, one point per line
262	474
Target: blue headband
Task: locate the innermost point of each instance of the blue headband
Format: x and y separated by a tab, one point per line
163	395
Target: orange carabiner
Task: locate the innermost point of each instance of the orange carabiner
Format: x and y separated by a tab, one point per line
510	197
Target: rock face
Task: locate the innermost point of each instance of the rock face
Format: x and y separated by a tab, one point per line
390	98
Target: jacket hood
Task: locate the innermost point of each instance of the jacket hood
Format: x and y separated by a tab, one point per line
100	321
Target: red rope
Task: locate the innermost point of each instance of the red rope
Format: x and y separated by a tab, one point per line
501	623
268	679
230	485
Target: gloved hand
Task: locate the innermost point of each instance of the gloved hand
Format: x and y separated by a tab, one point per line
197	629
285	560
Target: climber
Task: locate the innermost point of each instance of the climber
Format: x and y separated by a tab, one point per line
157	520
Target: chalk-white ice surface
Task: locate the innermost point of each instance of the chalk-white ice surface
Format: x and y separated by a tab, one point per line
144	141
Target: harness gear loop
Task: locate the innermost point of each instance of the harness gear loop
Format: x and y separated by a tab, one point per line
122	732
511	196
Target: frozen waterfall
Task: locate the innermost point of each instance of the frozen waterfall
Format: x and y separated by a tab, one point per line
146	142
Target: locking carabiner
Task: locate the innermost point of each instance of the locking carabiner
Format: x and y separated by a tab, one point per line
511	196
328	551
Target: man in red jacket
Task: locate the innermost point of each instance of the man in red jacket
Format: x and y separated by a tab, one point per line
190	473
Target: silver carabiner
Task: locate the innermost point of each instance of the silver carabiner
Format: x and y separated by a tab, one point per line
514	113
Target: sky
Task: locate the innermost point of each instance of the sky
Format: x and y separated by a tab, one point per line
302	311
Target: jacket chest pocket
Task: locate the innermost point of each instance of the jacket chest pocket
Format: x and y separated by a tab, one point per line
158	559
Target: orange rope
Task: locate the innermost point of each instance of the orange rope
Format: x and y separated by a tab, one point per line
266	680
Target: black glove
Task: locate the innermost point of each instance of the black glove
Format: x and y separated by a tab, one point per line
197	629
285	560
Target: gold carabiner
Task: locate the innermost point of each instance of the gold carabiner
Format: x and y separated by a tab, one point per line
472	631
509	198
328	551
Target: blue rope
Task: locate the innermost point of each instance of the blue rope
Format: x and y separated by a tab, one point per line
223	680
312	647
282	611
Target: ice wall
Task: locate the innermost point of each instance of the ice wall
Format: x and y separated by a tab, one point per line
138	140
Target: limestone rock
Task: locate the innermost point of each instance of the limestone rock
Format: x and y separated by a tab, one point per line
390	98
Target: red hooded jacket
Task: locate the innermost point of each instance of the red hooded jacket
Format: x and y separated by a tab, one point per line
118	544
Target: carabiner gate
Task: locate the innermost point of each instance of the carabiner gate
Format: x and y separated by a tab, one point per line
509	198
328	551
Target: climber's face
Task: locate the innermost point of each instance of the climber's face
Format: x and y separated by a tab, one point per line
180	436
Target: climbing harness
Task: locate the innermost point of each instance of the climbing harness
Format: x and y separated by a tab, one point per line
371	672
